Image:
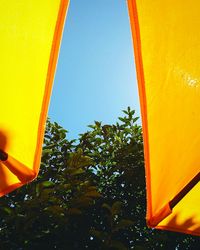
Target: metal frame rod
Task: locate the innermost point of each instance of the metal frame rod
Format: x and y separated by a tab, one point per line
3	155
184	191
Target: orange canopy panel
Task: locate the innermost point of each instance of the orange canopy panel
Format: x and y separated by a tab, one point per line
30	34
167	52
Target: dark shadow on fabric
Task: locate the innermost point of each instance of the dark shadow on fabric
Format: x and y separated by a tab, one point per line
173	223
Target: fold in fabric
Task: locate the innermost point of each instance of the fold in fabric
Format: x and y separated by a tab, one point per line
167	52
30	34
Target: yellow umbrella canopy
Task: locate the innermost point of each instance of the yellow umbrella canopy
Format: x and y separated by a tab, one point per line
167	53
30	34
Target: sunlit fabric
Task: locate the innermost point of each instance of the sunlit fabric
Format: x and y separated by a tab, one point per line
166	39
30	34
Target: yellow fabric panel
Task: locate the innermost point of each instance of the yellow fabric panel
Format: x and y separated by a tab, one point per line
167	51
30	33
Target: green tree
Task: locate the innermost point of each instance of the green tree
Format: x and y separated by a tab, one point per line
90	194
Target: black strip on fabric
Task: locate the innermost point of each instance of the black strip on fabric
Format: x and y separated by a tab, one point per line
184	191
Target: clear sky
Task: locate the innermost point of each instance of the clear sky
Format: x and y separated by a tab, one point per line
95	76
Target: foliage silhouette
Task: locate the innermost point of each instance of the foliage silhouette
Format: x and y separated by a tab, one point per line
90	194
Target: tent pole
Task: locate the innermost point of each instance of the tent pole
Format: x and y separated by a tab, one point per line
184	191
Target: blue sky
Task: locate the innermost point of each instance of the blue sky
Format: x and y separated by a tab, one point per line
95	76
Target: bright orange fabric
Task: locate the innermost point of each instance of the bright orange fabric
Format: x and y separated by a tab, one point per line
166	42
30	33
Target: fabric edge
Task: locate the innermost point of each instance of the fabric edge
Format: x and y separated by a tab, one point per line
134	24
64	4
11	188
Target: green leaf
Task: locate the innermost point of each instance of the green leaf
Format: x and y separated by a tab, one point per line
67	186
77	171
106	206
85	161
135	119
7	210
125	112
132	112
99	234
83	201
123	224
46	151
37	189
117	245
47	184
55	209
93	193
90	188
98	124
45	193
122	119
74	211
116	208
91	126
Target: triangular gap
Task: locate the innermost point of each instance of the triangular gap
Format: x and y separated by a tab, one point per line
95	76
